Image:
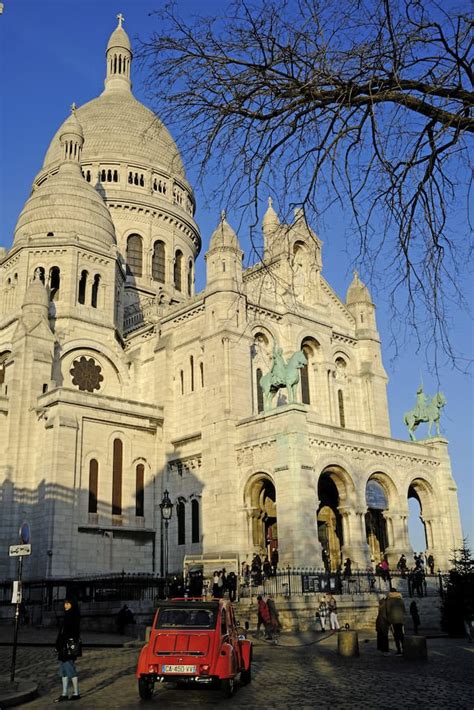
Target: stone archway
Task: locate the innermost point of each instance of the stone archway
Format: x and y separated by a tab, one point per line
375	523
260	497
420	491
333	487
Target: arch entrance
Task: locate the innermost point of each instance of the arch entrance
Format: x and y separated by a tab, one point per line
417	527
329	521
375	523
261	500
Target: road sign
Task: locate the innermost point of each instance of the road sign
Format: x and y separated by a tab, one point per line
24	533
19	550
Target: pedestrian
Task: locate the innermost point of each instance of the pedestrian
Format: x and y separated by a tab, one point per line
371	578
124	617
263	617
267	568
215	584
347	567
326	560
396	617
68	647
274	560
232	585
382	627
415	616
385	570
402	565
431	563
323	613
333	620
274	616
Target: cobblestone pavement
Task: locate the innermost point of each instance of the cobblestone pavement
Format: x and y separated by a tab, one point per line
284	675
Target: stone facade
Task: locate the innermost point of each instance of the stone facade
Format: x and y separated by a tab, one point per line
118	381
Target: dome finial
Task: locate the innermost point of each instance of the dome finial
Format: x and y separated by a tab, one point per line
73	108
223	215
120	19
119	59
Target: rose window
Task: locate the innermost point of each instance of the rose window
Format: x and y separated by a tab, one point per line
86	374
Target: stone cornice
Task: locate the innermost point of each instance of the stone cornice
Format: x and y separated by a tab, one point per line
378	453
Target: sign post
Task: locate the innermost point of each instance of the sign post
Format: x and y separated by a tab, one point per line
18	551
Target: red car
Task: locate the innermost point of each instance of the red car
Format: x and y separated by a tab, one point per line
194	641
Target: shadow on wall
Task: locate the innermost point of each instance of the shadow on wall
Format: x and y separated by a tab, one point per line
73	532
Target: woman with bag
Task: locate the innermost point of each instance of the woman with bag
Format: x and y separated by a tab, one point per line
68	646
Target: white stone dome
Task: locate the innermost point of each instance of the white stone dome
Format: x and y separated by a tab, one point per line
66	204
119	128
223	236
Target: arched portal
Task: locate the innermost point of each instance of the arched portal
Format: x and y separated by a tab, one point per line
261	502
329	520
418	531
375	523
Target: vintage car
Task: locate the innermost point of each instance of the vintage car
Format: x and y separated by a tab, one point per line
194	641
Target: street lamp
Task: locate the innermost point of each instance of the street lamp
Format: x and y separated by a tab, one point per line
166	507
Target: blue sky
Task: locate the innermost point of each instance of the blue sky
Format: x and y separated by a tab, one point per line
53	53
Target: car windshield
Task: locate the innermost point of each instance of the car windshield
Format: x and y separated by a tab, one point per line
186	618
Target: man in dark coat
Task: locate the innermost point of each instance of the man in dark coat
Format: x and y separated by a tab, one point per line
68	649
395	611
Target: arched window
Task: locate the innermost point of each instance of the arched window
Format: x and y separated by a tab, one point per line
54	283
181	515
191	372
140	491
158	262
258	375
342	417
305	396
135	255
93	485
95	291
201	368
190	278
195	537
178	265
117	464
81	297
3	361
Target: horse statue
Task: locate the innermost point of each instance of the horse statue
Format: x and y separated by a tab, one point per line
282	374
429	412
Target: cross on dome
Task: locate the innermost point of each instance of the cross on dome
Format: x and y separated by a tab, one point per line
73	108
223	215
120	19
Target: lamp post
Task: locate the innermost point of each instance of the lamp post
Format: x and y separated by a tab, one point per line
166	507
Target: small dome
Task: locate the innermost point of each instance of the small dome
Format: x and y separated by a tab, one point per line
224	236
72	126
119	38
66	204
357	292
36	294
270	218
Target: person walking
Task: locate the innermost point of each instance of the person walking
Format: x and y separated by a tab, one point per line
333	620
232	585
323	613
415	616
68	648
382	627
274	616
263	617
396	617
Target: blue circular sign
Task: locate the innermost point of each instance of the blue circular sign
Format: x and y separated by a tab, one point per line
24	533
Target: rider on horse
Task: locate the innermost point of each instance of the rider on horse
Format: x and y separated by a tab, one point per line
421	403
278	368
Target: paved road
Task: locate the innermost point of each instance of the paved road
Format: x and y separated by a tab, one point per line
284	676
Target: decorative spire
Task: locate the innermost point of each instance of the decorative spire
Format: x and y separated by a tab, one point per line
120	19
270	224
223	215
72	139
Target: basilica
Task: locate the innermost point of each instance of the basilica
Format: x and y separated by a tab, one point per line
258	406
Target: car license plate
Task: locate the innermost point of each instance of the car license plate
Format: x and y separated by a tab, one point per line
178	669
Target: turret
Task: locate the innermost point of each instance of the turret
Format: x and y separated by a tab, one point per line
224	257
119	59
359	303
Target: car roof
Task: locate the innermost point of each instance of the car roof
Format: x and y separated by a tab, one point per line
202	604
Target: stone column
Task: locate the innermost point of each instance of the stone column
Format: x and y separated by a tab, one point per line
398	541
354	539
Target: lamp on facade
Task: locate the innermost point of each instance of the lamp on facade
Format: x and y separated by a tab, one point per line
166	507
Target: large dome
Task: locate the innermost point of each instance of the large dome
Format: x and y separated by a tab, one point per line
116	127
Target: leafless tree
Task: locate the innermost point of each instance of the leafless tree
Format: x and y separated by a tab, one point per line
367	103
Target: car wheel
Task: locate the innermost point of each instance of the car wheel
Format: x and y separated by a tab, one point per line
227	687
246	676
145	688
